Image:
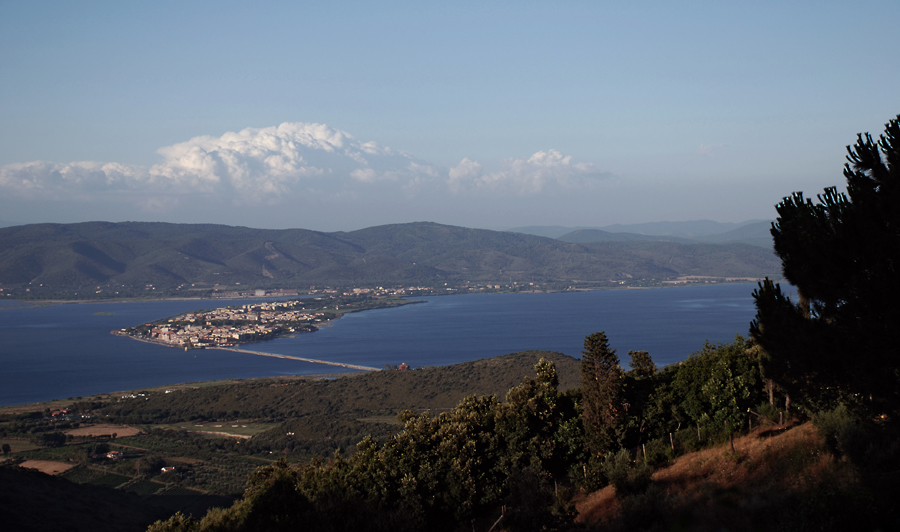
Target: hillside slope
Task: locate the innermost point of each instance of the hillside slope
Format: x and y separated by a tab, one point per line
134	258
779	479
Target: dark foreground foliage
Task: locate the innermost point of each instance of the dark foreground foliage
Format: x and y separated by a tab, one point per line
36	502
518	463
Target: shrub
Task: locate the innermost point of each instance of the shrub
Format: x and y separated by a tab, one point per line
768	411
589	476
532	505
627	476
641	511
839	429
686	440
658	452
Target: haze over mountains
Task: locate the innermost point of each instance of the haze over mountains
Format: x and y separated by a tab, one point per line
139	257
753	232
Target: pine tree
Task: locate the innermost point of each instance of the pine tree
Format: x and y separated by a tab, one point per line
842	254
602	394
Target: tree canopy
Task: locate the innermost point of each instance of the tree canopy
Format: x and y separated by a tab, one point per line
842	253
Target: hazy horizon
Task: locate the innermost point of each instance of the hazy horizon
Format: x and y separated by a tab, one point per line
528	229
349	115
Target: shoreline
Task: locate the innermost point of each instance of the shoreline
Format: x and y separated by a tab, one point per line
691	280
53	403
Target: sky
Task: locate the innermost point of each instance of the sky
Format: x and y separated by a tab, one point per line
336	116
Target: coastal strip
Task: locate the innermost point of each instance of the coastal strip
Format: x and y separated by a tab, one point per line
314	361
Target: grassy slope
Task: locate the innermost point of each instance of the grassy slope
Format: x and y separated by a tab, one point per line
778	480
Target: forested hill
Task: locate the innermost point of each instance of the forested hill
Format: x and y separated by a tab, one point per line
61	259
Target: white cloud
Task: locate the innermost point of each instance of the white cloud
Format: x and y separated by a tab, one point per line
543	170
40	178
366	175
467	171
250	166
294	171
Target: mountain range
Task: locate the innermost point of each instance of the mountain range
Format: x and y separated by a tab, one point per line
132	257
753	232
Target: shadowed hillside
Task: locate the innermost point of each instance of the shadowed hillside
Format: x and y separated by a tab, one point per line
99	259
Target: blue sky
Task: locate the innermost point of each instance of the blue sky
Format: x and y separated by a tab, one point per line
343	115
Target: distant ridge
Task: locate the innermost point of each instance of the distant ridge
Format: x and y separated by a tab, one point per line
549	231
754	233
751	232
138	258
596	235
693	229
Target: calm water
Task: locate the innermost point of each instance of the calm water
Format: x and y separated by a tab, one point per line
62	351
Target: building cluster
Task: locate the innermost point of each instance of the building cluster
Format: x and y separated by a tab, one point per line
224	327
377	291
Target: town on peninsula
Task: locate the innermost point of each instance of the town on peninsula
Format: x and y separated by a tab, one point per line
260	321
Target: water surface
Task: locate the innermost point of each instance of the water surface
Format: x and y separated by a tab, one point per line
61	351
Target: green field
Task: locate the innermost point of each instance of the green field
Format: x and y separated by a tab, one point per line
237	429
18	445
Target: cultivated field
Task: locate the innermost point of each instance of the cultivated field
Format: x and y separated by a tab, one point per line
226	429
120	431
46	466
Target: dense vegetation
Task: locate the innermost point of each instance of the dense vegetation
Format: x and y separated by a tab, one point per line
102	260
516	460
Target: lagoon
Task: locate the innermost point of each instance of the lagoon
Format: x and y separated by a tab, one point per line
61	351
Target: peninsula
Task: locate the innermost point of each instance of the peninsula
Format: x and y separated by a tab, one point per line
255	322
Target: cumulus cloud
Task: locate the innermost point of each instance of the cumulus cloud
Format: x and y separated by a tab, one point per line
543	170
252	165
59	180
293	171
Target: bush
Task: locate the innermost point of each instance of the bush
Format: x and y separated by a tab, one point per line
641	511
840	430
532	505
768	411
873	447
590	476
626	476
52	439
686	440
658	452
149	465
